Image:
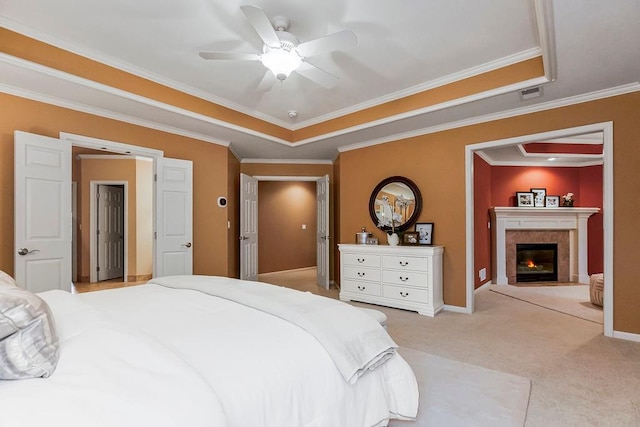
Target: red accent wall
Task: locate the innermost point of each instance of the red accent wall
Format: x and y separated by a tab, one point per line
481	205
504	181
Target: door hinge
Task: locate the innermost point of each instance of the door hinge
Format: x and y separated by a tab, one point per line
97	268
155	235
155	177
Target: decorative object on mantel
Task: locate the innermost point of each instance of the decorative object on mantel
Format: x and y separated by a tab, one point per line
539	195
552	201
525	199
567	200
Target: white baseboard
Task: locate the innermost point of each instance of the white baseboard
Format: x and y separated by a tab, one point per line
456	309
484	285
287	271
626	336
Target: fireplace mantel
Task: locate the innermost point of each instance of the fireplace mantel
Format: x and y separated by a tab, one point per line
572	219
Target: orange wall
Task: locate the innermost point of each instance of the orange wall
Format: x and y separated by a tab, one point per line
210	174
283	207
442	183
107	170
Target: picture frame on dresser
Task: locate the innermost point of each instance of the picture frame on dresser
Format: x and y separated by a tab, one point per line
524	199
410	238
539	195
425	233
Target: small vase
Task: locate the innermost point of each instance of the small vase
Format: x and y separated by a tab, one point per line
393	239
567	203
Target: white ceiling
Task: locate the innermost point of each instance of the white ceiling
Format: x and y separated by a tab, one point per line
403	47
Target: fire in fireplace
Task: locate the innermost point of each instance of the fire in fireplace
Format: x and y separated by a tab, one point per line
536	262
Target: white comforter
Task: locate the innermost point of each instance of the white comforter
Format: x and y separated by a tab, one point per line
151	355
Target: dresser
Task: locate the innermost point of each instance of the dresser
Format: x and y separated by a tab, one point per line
408	277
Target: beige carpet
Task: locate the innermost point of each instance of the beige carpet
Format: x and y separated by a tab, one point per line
460	394
572	300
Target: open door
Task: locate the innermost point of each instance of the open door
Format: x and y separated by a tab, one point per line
248	227
322	236
42	198
110	232
174	217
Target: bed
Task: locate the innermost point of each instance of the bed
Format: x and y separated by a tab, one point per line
202	351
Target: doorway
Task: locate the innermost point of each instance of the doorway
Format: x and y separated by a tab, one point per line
109	230
607	137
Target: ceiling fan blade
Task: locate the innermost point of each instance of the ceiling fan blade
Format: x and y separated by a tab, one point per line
237	56
317	75
341	40
261	23
266	83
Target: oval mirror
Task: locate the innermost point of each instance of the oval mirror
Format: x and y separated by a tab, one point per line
395	199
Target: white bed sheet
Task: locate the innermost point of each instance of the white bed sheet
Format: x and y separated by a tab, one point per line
172	357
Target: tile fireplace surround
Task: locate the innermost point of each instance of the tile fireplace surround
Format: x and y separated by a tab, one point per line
565	226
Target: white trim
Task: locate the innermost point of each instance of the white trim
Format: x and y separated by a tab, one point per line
485	285
136	71
573	100
287	178
454	309
546	36
110	146
626	336
607	130
289	161
93	220
442	81
429	109
113	157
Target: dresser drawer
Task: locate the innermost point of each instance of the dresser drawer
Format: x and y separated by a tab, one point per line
406	263
365	260
359	287
361	273
406	294
405	278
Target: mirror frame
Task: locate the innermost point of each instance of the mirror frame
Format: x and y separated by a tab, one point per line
416	211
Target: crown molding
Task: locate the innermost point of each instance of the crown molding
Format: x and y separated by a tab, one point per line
136	71
289	161
450	78
573	100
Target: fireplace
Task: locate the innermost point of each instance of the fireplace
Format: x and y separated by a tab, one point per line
536	262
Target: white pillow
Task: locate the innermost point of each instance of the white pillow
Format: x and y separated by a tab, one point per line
29	346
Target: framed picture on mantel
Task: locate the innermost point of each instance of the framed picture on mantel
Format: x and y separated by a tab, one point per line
524	199
539	195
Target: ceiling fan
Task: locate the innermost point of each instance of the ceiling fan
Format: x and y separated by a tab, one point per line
282	52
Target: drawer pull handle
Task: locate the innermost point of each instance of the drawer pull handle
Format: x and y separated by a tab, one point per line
360	260
362	288
404	294
404	279
404	263
360	274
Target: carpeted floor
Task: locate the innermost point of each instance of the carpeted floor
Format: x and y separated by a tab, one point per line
572	300
460	394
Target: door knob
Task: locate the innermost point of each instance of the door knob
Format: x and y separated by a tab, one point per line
243	238
187	245
25	251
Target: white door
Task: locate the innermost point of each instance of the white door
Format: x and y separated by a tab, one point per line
42	197
248	227
322	236
174	217
110	232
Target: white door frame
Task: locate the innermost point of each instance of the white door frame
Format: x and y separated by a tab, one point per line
607	129
302	178
93	222
120	148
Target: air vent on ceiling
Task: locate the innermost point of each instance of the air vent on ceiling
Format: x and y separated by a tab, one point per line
531	92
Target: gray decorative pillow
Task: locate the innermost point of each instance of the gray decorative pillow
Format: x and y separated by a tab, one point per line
29	345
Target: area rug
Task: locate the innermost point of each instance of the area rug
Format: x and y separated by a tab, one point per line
572	300
456	394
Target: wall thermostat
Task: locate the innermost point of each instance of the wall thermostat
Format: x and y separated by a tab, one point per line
222	201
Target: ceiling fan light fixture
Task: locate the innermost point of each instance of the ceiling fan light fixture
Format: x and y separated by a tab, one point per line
281	62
